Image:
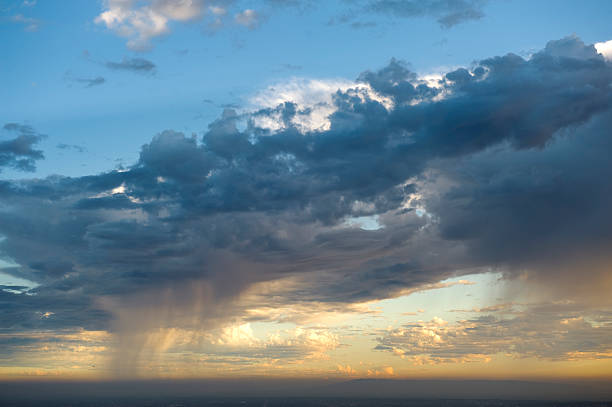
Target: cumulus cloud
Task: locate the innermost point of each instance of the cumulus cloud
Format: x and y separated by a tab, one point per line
474	172
605	49
140	22
447	12
310	100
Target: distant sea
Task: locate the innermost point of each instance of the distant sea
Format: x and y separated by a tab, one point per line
292	402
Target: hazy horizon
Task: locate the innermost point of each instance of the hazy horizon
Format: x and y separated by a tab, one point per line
262	388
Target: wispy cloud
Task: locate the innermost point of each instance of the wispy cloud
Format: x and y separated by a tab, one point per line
248	18
447	12
77	148
29	23
138	65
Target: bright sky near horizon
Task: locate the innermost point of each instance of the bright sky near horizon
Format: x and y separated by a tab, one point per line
302	188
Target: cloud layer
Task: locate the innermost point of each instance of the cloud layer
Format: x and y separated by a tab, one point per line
500	165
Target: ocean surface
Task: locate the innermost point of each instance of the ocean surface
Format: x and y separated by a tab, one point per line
289	402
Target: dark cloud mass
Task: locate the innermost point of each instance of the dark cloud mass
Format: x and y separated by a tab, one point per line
503	165
18	152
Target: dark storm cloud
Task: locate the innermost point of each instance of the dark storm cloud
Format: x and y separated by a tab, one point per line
138	65
479	172
18	152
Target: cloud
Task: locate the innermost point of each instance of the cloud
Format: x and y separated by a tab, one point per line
89	82
248	18
605	49
138	65
347	370
142	21
473	172
448	13
77	148
311	102
544	331
29	23
19	152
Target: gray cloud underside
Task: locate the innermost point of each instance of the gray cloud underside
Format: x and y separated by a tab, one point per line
18	152
511	168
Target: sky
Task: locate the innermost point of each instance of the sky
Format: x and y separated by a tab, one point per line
305	189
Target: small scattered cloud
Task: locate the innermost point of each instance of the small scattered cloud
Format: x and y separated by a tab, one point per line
18	152
386	371
292	67
74	147
142	21
448	13
347	370
29	23
248	18
89	82
138	65
363	24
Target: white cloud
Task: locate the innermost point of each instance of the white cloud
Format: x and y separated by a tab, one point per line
605	49
314	100
142	21
248	18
